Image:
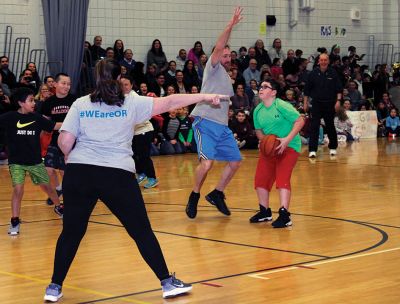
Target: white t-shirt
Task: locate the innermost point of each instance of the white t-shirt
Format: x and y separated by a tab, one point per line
104	133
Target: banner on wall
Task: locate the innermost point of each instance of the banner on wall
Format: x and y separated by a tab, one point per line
326	30
365	123
330	31
340	31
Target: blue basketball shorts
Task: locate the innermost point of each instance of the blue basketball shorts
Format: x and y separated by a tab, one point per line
215	141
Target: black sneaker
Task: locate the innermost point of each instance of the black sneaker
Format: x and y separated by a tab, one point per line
49	201
283	219
191	207
59	210
217	198
262	216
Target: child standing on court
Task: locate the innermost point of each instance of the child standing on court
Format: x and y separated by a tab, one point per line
23	129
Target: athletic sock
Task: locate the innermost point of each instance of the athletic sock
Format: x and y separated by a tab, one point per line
15	221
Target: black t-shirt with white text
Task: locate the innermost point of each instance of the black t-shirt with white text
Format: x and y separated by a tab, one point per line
56	109
23	136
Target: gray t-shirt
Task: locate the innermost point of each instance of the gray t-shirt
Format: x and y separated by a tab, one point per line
215	81
104	133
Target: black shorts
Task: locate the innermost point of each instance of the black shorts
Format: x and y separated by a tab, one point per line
54	158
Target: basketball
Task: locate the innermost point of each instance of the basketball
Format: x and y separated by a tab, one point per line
268	145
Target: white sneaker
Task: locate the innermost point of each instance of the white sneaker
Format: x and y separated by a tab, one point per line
332	152
312	154
13	230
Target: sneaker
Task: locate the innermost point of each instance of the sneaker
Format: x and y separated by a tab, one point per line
191	207
262	216
59	209
312	154
53	293
49	201
217	198
151	183
241	144
172	287
332	152
59	192
141	178
283	219
13	230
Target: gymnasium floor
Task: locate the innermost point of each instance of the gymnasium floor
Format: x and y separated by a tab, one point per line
344	246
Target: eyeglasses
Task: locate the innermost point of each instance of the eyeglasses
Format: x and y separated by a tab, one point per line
264	87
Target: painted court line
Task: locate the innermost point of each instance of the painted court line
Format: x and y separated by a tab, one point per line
163	191
85	290
309	265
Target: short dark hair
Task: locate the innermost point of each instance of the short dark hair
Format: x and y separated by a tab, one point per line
274	85
21	94
127	77
59	75
47	78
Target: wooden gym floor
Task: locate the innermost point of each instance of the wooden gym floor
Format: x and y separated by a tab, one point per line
344	246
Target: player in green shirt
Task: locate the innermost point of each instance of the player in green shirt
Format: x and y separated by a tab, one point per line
278	117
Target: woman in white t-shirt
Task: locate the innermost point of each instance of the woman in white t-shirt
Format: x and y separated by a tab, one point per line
96	139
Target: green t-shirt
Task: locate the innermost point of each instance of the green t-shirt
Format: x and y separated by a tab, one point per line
277	119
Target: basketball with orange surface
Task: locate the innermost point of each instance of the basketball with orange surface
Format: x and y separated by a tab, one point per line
268	145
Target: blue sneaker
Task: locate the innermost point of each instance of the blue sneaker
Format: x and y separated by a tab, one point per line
172	287
151	183
53	293
141	178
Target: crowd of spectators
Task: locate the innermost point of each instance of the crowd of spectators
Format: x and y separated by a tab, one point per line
364	88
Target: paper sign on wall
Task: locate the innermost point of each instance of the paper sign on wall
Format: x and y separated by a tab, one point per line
263	28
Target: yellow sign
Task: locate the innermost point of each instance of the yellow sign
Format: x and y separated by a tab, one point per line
263	28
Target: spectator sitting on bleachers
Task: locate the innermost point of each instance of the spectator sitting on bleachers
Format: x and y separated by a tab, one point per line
276	50
35	75
96	50
393	123
4	87
8	77
251	72
243	131
240	101
185	131
201	66
110	53
179	82
195	52
354	95
190	77
170	73
26	80
128	60
118	50
290	65
157	56
262	56
251	54
169	137
137	74
181	59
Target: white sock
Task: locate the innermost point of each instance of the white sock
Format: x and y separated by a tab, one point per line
59	187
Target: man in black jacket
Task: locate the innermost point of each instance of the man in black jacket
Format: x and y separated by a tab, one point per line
325	89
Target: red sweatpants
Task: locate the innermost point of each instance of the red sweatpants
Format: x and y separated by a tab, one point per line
275	168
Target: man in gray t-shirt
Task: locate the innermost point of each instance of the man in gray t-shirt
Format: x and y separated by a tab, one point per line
214	139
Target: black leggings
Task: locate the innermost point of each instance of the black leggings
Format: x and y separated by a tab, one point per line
141	145
83	185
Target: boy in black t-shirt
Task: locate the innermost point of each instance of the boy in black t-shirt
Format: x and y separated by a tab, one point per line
56	108
23	129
